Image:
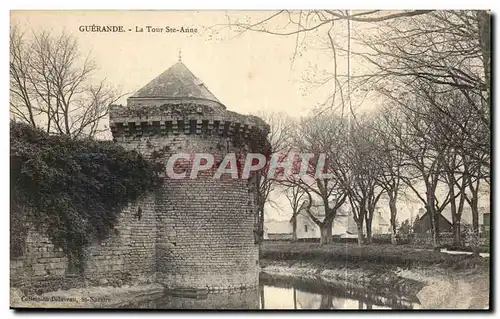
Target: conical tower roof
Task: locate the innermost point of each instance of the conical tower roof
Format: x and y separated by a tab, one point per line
177	82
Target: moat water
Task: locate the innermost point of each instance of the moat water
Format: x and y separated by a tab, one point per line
285	293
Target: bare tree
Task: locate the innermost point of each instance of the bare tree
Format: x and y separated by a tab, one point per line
457	164
51	84
363	188
20	91
300	22
415	136
280	139
323	137
295	196
305	24
449	51
435	66
463	173
390	161
472	177
451	128
457	184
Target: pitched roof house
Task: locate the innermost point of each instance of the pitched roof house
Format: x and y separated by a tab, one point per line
343	225
277	229
422	223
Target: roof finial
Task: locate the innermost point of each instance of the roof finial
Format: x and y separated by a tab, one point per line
180	56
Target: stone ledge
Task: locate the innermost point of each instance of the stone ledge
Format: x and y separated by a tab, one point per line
188	126
190	117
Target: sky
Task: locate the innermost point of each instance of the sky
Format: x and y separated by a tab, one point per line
248	72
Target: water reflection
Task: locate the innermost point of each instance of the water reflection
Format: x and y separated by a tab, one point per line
288	293
284	293
247	299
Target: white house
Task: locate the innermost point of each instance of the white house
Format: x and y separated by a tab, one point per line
278	229
343	225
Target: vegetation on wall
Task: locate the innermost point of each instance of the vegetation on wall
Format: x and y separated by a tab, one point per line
73	190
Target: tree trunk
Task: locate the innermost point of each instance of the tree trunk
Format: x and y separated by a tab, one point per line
432	221
369	230
475	225
370	212
360	234
431	211
394	211
456	234
435	244
394	240
326	233
294	226
436	224
453	208
326	302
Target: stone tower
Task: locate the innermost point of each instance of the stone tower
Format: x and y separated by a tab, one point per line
204	229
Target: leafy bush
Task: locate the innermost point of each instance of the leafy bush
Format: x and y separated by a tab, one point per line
73	190
18	229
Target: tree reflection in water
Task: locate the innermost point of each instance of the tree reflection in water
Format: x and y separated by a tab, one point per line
292	293
283	293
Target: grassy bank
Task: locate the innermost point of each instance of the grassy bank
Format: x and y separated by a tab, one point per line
380	255
438	280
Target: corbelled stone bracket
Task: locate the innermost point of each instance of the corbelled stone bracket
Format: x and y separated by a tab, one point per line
134	127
